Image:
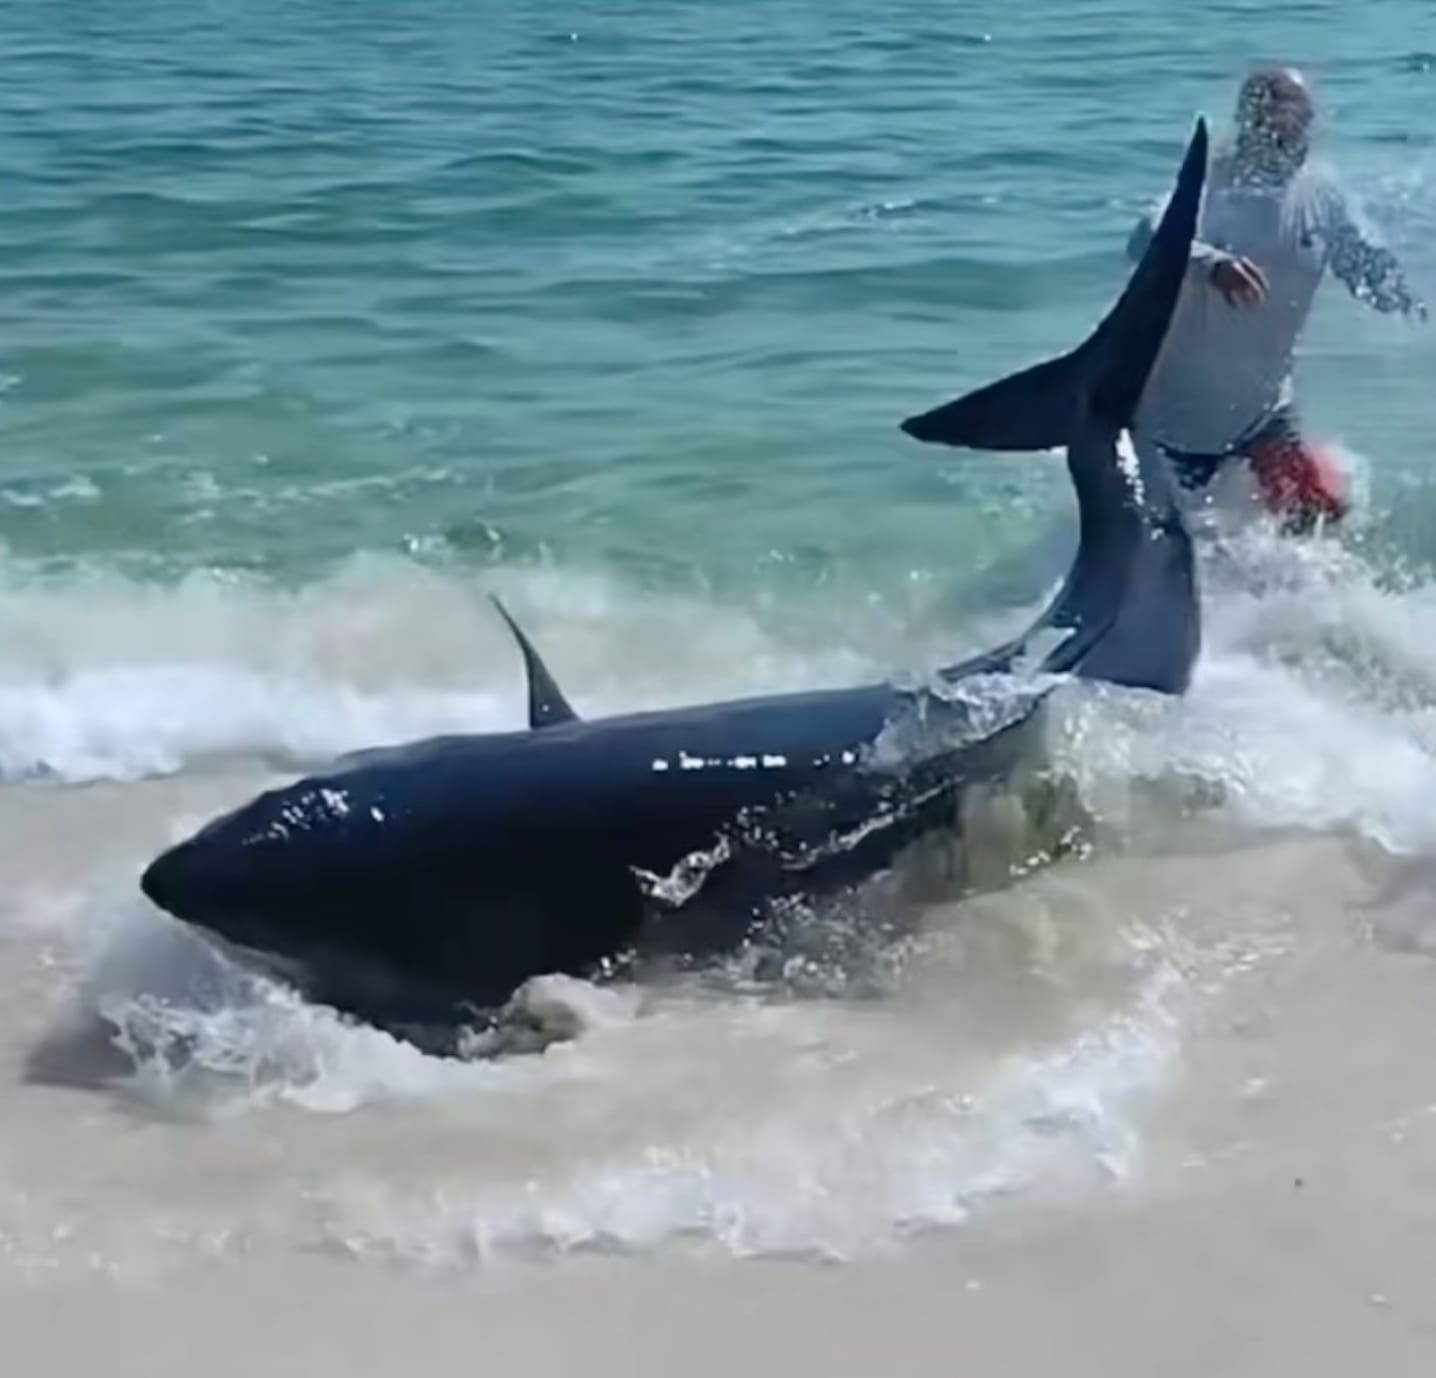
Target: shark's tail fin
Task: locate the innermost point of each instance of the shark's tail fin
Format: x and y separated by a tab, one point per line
1040	408
1128	604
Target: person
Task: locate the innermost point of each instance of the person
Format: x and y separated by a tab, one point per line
1269	229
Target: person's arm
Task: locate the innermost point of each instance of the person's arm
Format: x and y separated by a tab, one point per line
1237	279
1369	269
1204	256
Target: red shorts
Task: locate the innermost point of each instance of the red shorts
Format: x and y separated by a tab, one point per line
1297	480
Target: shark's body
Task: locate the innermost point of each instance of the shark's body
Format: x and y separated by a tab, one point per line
415	885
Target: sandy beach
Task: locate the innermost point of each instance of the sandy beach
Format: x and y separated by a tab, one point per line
1282	1217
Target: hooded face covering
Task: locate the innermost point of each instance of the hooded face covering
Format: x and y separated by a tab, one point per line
1274	117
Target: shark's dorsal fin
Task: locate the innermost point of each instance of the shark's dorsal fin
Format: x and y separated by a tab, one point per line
547	705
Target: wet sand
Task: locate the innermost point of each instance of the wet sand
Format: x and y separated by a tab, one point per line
1283	1219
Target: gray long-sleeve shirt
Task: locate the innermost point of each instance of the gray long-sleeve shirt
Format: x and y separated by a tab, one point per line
1223	368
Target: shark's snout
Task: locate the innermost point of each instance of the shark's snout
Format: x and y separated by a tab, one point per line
205	877
193	880
170	879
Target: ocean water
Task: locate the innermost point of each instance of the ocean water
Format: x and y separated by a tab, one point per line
318	322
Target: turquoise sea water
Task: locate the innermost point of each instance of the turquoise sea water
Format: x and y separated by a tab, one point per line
635	287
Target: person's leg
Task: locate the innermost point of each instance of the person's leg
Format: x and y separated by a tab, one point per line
1296	479
1193	475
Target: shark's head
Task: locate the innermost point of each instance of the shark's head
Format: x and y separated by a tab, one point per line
264	874
1129	603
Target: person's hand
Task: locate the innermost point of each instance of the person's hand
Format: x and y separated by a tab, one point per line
1240	281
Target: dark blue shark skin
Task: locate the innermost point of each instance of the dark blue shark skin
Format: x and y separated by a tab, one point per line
445	873
419	884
